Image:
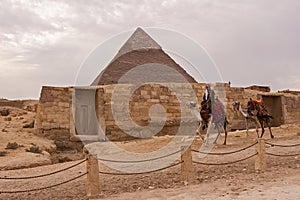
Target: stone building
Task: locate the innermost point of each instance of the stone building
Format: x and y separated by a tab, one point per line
61	109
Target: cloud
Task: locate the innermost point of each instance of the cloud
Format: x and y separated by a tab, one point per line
49	39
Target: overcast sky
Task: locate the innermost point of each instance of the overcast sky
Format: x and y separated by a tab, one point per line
45	42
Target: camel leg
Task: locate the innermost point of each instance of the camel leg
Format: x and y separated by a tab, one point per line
225	130
257	122
262	127
224	143
256	128
215	142
247	129
269	126
198	130
219	132
272	136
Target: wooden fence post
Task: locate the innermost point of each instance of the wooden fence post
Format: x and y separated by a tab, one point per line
92	168
186	165
260	160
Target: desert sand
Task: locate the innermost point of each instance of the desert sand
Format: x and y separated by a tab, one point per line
281	180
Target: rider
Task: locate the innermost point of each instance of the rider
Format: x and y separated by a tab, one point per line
208	97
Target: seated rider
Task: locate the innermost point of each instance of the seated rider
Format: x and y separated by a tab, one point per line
208	98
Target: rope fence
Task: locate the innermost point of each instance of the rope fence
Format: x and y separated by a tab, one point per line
282	145
136	161
43	188
283	155
186	162
147	172
43	175
226	163
225	153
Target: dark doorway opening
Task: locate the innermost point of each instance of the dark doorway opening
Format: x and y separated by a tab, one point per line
274	106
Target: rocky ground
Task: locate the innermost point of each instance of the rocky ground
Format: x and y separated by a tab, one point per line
20	147
281	180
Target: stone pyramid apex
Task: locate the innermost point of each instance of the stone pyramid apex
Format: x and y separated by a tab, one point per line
138	50
137	41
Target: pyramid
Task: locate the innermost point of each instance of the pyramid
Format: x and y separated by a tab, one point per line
141	49
137	41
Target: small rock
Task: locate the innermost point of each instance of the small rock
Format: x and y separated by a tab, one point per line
151	187
46	153
64	159
4	112
13	145
34	149
30	125
3	153
4	130
7	119
22	113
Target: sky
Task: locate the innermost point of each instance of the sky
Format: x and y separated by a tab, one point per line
46	42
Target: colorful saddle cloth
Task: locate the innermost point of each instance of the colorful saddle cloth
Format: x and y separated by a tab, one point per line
259	107
218	111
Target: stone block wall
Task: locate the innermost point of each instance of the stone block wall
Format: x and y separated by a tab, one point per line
291	108
54	116
235	118
53	112
141	103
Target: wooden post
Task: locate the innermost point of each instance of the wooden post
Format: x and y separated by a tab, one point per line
92	168
260	161
186	165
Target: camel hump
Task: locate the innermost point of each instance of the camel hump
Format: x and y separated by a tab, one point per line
259	102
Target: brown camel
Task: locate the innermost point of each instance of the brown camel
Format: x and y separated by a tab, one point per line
257	109
248	118
217	117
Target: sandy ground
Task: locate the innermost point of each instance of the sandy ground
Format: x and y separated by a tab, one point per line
12	131
287	188
281	180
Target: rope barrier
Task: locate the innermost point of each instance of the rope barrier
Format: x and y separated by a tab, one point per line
136	161
282	155
204	163
42	188
226	153
113	173
282	145
42	175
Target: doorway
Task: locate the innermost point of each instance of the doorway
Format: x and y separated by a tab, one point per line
85	118
274	106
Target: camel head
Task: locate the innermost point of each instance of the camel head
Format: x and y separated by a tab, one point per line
236	105
192	105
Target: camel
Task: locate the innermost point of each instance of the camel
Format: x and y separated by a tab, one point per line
257	109
248	118
217	117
